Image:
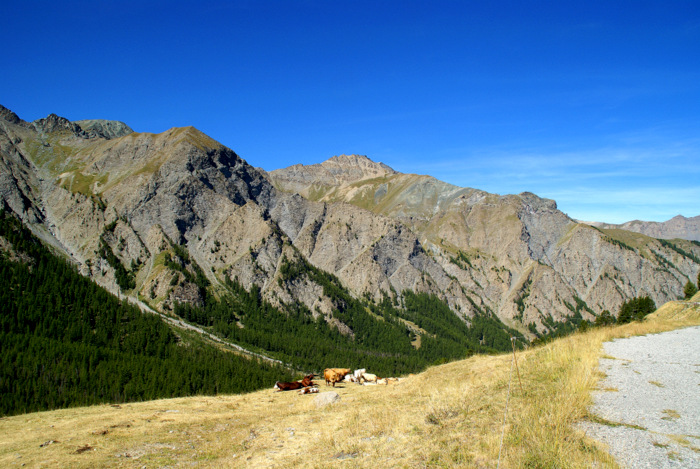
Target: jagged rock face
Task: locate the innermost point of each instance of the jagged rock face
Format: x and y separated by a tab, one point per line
606	274
54	123
18	181
177	205
501	249
177	184
104	128
9	116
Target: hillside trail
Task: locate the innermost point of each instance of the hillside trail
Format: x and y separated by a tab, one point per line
180	324
647	409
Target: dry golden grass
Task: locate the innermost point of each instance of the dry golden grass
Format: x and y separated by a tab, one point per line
448	416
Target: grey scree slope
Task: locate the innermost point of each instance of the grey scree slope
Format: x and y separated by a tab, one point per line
652	382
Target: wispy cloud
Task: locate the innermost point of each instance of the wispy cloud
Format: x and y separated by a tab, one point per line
612	184
614	205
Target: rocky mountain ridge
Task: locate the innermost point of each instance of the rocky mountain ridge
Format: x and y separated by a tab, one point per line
677	227
528	258
164	216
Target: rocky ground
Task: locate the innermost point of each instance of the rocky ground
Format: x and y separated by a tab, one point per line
648	407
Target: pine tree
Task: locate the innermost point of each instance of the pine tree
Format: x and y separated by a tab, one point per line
605	319
635	309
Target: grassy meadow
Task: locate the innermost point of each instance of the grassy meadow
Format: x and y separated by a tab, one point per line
448	416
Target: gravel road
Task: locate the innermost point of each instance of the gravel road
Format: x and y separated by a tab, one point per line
650	400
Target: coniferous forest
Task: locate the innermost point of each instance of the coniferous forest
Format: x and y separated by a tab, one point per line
381	342
64	341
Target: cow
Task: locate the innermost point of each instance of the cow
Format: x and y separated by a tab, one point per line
309	390
283	386
331	377
368	377
335	375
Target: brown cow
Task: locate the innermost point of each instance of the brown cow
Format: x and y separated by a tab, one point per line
335	375
307	381
331	377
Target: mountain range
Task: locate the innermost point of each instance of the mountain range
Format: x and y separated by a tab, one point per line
173	218
677	227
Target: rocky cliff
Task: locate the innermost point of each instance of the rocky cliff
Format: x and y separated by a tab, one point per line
516	254
164	216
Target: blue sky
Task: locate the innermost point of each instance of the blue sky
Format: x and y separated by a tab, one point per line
593	104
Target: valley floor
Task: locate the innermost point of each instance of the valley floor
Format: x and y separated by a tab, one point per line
448	416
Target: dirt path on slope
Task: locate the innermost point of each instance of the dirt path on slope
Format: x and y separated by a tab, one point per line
647	409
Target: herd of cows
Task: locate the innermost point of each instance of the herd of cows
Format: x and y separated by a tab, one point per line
332	376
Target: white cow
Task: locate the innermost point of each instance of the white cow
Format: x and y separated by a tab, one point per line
368	377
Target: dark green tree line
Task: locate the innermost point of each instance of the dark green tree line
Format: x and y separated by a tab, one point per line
64	341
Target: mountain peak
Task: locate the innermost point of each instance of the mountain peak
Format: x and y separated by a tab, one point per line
335	171
54	123
105	128
8	115
356	167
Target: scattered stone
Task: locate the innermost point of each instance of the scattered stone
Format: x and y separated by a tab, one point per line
325	398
